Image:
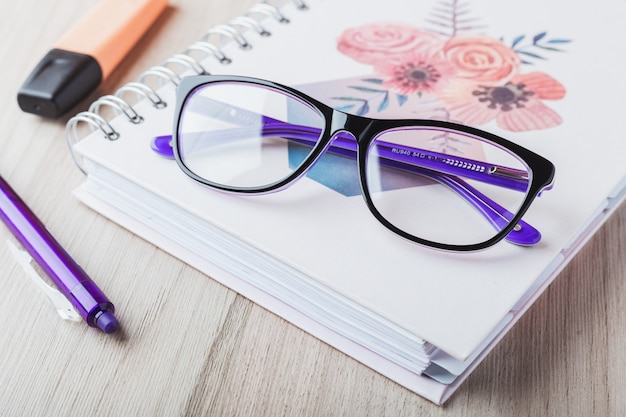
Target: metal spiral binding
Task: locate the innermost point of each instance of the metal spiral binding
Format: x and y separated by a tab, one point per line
96	122
300	4
228	32
116	103
267	10
142	90
162	73
250	23
186	61
210	50
182	63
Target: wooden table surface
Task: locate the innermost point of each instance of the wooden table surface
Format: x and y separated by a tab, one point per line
192	347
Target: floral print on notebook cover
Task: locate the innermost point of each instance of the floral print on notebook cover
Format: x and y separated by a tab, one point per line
471	79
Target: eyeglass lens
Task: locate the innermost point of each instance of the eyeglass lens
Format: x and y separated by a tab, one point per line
237	134
444	186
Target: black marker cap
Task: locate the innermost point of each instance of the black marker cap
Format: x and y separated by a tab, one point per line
58	82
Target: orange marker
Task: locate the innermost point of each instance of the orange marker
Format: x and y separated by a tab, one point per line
86	55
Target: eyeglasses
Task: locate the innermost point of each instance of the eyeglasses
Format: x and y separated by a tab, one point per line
433	182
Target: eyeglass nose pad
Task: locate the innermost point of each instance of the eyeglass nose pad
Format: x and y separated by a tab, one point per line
342	142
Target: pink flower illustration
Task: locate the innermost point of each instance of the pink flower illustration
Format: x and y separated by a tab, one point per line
370	44
476	79
515	105
415	73
481	58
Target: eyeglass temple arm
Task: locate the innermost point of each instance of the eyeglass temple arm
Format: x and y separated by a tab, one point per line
498	216
497	175
493	174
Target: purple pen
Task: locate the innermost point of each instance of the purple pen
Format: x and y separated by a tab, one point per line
67	275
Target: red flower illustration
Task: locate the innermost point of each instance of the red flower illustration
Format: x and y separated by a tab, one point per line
481	58
415	73
373	43
515	105
477	78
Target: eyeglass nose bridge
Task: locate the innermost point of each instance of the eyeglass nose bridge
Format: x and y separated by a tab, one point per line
348	131
344	134
337	130
340	137
356	126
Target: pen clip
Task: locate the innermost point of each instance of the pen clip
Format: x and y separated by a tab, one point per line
62	305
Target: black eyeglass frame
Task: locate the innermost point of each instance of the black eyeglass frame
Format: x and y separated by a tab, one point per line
364	129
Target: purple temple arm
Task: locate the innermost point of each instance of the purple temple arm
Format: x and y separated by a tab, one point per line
412	157
404	158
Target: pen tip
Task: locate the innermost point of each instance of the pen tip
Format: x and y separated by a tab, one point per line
107	322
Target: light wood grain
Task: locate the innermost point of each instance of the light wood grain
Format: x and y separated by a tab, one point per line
191	347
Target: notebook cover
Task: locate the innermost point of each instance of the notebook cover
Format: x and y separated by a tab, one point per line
454	301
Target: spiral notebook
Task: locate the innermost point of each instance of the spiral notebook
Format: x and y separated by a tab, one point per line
423	318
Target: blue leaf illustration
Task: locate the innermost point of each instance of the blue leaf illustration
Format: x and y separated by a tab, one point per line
384	103
559	41
346	108
373	80
365	108
539	37
530	54
344	98
540	42
362	109
517	40
367	89
549	48
401	99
